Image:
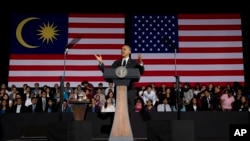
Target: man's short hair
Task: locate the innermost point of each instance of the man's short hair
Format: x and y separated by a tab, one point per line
128	47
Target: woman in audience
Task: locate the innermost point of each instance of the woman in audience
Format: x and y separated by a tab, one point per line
54	91
245	106
193	106
4	107
237	104
227	100
74	94
111	95
108	106
149	107
28	100
197	89
51	107
4	88
139	104
100	96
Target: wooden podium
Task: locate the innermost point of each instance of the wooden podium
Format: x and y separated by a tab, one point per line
79	107
121	128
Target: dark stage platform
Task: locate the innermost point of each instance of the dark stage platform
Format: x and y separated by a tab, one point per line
207	126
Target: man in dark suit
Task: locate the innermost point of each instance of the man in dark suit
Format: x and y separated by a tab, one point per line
125	60
19	107
33	108
42	102
209	101
93	107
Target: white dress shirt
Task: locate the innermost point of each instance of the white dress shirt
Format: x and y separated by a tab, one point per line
126	60
147	96
160	108
110	108
18	108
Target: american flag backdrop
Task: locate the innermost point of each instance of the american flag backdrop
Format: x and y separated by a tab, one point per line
204	48
198	47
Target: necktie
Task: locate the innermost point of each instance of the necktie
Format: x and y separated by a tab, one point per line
49	110
208	99
33	108
124	63
44	104
164	107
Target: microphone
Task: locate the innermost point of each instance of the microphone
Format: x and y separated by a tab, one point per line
71	44
66	50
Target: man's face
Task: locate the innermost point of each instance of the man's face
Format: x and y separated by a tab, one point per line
36	85
34	101
125	52
19	101
149	89
67	85
207	93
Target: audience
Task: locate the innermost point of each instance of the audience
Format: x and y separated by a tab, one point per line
200	97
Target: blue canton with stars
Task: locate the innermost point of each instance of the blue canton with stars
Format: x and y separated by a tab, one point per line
154	33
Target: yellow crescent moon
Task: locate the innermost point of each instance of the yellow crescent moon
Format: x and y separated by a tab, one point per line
19	32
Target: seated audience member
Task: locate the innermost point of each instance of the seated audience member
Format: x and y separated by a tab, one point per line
88	94
93	107
182	107
108	106
149	107
187	94
193	105
51	107
19	106
138	105
164	106
112	96
227	101
4	107
149	94
237	102
43	100
74	95
109	88
100	97
209	101
34	108
88	86
245	106
65	108
28	100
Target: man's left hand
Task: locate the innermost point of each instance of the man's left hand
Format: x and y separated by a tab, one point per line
140	58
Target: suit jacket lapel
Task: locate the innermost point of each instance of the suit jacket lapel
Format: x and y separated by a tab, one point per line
129	62
120	62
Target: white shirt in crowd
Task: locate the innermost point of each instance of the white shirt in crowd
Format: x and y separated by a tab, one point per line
160	108
149	95
110	108
18	108
28	102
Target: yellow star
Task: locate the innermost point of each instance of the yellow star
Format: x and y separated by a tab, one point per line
48	32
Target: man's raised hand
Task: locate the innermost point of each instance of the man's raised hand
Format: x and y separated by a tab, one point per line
98	58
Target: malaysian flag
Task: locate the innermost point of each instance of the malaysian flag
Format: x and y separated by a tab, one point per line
203	48
39	41
198	47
